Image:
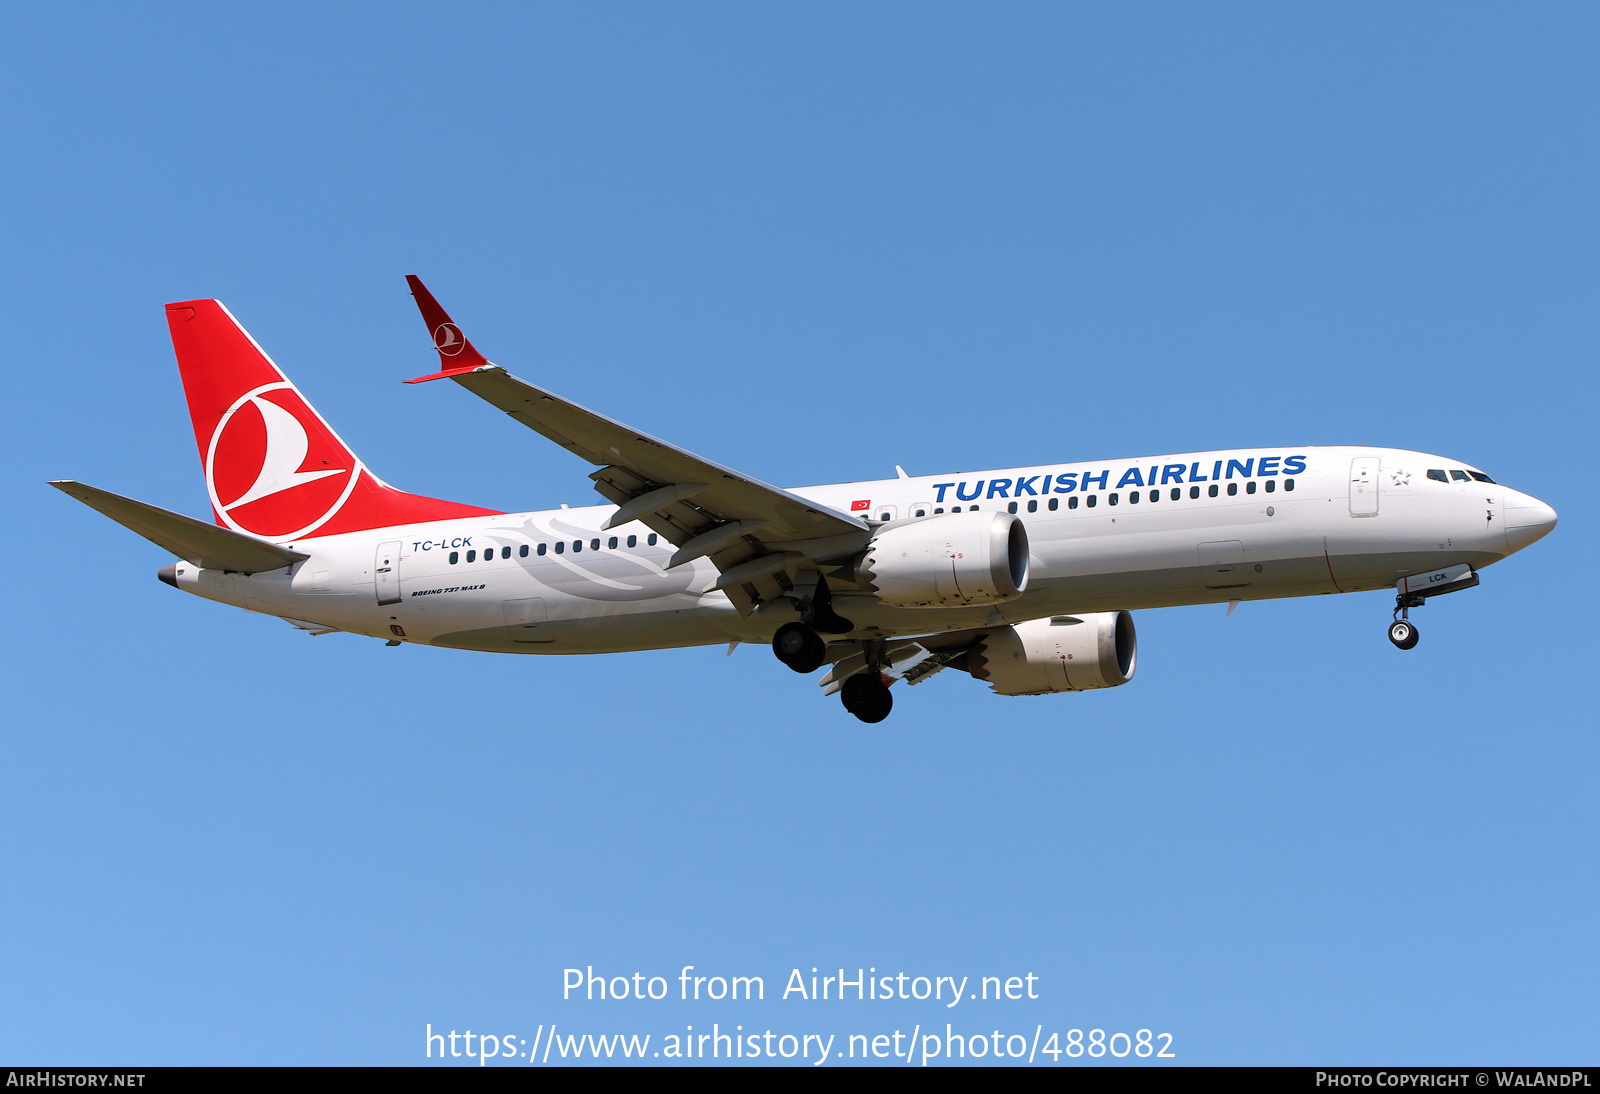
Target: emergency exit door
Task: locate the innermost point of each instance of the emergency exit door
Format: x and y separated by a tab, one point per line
1364	486
386	573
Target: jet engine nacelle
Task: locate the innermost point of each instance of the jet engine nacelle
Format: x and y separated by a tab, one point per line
948	561
1059	653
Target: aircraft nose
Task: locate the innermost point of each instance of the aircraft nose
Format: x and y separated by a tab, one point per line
1527	519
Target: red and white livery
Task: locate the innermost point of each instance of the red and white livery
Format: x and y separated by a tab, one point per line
1022	577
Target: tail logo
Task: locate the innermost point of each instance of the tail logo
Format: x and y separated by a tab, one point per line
269	475
448	339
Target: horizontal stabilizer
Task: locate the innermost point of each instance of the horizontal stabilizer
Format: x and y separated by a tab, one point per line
196	541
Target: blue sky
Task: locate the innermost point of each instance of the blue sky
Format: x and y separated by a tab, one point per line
810	242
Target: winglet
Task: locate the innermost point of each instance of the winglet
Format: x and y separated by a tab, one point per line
457	356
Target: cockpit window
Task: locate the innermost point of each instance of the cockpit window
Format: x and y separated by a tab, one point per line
1437	475
1481	477
1460	476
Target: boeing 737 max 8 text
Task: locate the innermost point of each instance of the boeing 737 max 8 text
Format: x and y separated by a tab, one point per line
1023	577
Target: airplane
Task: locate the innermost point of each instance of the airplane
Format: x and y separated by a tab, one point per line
1023	578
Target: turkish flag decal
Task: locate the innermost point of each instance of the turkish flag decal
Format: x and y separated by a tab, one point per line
858	506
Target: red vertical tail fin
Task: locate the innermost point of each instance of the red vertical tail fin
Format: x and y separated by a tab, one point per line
274	468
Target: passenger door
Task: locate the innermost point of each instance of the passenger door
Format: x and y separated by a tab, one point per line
386	572
1364	486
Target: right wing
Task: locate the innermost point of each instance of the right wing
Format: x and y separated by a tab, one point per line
749	529
205	545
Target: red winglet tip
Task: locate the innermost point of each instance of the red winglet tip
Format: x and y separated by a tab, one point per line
456	353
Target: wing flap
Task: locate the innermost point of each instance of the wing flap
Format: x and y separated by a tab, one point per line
195	541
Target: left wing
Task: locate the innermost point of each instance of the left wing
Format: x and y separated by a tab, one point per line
750	530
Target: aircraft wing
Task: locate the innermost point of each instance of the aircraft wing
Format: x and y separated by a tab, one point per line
205	545
746	527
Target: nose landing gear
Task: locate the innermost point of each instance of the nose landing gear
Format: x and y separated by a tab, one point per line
1413	592
1403	634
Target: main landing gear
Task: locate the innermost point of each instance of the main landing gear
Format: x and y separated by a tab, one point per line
865	696
798	645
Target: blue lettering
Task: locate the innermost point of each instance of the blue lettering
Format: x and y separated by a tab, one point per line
942	487
1294	465
1268	465
998	488
1067	483
1244	468
1172	472
1195	476
1088	478
977	492
1216	470
1026	485
1130	477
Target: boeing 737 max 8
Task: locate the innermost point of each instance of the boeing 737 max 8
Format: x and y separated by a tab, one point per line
1022	577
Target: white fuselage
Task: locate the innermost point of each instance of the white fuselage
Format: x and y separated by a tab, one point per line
1355	519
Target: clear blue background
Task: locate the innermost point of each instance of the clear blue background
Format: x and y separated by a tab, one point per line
809	241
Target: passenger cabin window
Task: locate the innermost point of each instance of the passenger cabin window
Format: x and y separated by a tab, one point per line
541	548
939	509
1011	507
1033	506
561	548
455	557
885	516
522	552
922	510
1250	487
1233	488
577	546
1288	484
1072	502
1437	475
1133	497
1094	500
1155	495
1272	484
594	545
612	543
1481	477
1194	492
505	552
1212	490
1177	492
1460	476
955	508
472	556
651	541
1055	503
633	541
